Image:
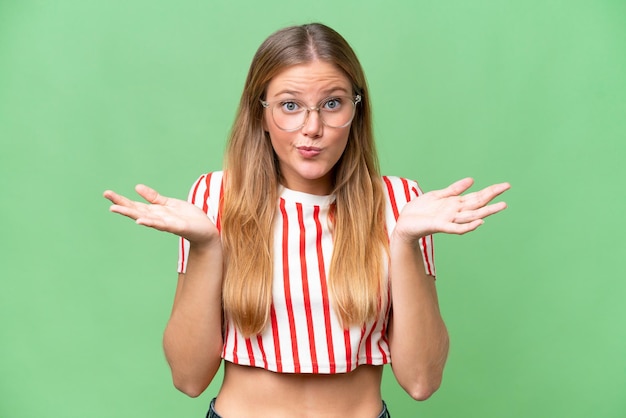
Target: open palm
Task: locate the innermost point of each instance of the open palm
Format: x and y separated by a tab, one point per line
448	211
165	214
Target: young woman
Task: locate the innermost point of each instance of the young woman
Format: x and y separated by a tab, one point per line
300	266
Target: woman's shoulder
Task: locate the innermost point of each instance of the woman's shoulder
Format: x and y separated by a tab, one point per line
209	179
208	186
400	188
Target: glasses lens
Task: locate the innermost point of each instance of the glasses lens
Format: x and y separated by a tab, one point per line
337	112
289	115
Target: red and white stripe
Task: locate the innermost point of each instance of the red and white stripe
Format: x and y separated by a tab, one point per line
400	191
304	335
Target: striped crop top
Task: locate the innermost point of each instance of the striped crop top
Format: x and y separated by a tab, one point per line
303	334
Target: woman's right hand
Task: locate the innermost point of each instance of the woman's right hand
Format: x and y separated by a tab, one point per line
176	216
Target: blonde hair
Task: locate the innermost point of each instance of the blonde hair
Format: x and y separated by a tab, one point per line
251	192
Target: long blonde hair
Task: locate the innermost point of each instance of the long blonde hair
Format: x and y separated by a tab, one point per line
251	192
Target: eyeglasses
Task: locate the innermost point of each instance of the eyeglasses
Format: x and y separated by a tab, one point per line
291	115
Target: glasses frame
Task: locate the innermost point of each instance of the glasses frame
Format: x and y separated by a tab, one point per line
354	100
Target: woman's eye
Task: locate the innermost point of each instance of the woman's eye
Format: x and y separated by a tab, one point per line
290	106
332	104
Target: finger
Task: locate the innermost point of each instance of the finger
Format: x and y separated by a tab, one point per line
117	199
462	228
455	188
498	189
150	195
481	213
483	197
128	211
108	194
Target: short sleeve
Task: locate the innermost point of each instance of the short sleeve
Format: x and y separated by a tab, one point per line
205	193
400	191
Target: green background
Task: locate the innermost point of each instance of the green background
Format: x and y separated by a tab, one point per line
106	94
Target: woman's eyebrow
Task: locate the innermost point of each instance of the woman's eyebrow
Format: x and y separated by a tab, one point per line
289	92
327	92
334	90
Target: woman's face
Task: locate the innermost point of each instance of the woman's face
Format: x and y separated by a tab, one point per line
307	156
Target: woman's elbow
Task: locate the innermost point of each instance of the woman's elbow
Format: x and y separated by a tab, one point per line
193	382
422	390
421	386
419	383
188	387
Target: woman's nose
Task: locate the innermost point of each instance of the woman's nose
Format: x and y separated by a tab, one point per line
313	124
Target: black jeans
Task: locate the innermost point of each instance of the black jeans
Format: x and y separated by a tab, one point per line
212	414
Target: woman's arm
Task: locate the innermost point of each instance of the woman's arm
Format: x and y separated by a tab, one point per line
418	338
193	337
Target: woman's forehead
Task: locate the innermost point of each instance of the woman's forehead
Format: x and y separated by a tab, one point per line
316	77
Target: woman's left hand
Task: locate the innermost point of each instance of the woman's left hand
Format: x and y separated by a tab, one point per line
449	211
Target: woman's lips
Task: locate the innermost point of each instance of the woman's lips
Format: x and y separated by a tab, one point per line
309	152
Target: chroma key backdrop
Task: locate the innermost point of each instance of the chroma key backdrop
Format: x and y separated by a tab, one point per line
99	95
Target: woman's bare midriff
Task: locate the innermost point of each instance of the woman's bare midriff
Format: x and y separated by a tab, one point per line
254	392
